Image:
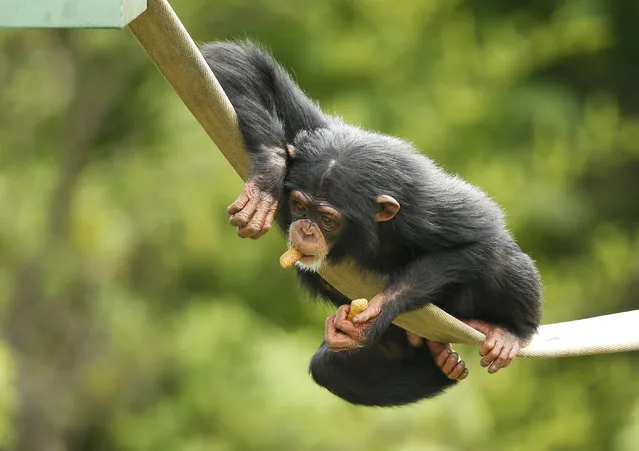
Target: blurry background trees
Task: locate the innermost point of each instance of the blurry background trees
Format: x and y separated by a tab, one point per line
134	319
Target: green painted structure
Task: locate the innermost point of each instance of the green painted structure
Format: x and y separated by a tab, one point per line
69	13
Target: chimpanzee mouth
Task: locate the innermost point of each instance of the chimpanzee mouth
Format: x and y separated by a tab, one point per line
311	263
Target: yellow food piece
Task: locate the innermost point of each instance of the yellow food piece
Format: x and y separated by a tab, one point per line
357	307
289	257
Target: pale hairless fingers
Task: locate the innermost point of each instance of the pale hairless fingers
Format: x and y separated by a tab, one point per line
500	347
340	333
252	212
446	359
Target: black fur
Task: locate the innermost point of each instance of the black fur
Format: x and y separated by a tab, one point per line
448	245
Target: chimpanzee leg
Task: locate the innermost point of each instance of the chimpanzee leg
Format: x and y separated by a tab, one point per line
386	374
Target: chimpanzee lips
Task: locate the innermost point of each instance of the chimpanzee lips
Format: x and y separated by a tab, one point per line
310	259
311	263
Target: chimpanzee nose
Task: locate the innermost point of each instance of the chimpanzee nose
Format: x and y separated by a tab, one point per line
307	229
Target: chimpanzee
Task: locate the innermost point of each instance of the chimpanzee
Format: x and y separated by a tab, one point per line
341	192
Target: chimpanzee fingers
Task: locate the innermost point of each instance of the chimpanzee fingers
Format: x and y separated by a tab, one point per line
512	354
447	360
450	363
239	203
329	325
268	221
487	346
371	312
500	361
341	342
342	313
458	372
241	218
442	357
492	355
497	364
509	354
244	232
339	321
257	221
506	356
330	331
345	326
336	340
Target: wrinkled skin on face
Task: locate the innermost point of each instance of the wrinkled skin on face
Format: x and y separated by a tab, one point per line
315	228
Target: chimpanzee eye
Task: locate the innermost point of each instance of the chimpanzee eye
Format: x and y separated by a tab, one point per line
299	206
329	222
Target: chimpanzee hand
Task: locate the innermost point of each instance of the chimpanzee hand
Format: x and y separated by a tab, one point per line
342	334
253	211
500	347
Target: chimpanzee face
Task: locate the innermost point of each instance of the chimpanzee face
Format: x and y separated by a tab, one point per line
317	224
316	227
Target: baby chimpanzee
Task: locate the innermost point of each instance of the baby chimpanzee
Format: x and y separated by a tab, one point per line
342	192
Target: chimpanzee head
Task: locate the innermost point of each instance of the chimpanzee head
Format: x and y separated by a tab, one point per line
338	189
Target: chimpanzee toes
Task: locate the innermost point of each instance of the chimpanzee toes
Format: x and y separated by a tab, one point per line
459	371
450	364
447	360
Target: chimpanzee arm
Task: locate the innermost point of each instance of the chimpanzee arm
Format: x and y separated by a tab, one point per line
271	110
513	296
423	281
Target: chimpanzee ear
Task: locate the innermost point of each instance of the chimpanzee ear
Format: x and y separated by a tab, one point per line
388	208
291	152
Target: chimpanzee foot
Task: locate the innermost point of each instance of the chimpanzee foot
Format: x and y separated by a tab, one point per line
448	360
500	347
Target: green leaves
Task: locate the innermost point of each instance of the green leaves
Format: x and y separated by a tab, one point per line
150	325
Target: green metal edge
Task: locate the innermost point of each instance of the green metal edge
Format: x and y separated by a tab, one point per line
69	13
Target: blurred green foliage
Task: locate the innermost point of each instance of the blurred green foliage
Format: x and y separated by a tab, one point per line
134	319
